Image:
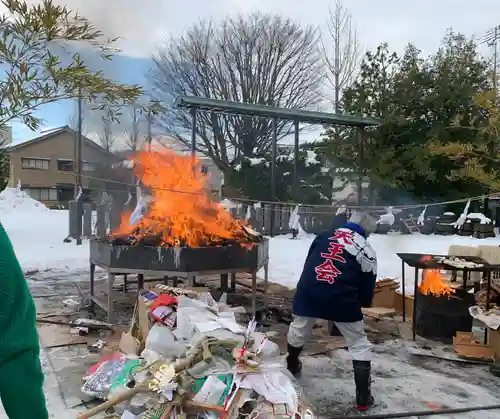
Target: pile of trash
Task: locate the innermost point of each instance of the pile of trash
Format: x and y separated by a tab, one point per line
186	355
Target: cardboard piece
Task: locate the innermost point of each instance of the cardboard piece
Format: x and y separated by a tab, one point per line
378	312
466	346
398	304
129	345
494	342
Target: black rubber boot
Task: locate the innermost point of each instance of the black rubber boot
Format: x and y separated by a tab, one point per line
293	363
362	378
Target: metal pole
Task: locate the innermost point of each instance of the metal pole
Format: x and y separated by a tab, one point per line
361	134
193	132
273	172
78	164
296	161
150	137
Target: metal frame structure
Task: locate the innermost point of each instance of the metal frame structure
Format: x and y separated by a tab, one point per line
200	104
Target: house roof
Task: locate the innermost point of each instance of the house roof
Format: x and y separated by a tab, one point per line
55	132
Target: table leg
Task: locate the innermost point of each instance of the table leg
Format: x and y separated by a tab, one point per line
404	292
414	320
125	283
466	277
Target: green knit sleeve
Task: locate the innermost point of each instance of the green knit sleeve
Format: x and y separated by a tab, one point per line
11	278
17	308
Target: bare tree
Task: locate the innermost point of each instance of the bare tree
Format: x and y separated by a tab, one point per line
261	59
133	127
106	131
341	53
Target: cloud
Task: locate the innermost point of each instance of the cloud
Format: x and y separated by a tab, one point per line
143	24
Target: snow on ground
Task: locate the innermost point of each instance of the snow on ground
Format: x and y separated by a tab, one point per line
38	233
287	256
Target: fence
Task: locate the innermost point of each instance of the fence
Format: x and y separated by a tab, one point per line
106	216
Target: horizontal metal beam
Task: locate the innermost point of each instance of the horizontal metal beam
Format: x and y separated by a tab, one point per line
265	111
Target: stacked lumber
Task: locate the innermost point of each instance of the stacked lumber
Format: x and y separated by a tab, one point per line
386	284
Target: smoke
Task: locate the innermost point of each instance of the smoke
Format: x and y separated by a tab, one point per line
135	22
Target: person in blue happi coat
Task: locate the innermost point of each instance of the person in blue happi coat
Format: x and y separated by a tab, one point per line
337	280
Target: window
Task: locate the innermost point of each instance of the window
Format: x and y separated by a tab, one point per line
204	169
65	165
27	163
42	194
88	166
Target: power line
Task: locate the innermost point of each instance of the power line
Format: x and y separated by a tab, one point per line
289	204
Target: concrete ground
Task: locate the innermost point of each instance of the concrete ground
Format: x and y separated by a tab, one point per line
401	382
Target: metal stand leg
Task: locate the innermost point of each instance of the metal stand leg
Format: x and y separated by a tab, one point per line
140	282
254	293
125	283
415	292
266	283
488	290
233	282
224	282
403	290
111	308
175	281
92	279
165	280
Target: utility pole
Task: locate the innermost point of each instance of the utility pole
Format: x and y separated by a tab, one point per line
78	169
491	39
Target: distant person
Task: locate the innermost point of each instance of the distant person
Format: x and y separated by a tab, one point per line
337	280
21	376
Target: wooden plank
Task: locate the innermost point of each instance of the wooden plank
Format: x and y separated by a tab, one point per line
54	336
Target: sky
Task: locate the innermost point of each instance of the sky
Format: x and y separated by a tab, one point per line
143	25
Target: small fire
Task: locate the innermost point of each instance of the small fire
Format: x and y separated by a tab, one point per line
181	212
433	283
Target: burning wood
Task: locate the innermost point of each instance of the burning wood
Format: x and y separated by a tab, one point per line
434	283
181	213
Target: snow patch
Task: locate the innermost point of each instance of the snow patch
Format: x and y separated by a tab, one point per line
478	216
311	158
17	200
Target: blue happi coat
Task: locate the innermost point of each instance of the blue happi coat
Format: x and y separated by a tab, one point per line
339	276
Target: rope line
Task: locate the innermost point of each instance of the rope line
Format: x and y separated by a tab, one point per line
290	204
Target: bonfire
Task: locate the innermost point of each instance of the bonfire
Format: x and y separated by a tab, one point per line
434	283
182	212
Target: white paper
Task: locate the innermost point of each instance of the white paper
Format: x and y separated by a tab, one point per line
211	392
492	320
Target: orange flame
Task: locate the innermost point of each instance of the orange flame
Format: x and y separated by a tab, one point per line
433	283
181	212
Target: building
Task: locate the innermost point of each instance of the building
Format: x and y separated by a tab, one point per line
44	166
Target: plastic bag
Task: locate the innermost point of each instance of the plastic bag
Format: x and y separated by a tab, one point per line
162	341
